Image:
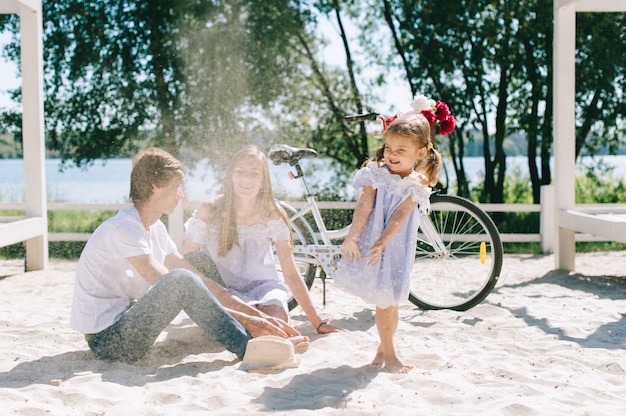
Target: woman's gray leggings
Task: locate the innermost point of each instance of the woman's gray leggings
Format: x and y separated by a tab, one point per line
179	290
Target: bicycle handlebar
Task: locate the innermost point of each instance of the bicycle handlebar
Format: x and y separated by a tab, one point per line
361	117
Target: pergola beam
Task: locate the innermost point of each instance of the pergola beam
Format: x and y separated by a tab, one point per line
600	6
14	6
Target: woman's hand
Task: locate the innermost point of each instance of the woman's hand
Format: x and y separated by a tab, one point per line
324	328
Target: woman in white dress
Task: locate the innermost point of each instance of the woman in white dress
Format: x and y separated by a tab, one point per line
230	239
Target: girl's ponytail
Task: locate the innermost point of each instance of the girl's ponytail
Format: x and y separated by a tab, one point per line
430	165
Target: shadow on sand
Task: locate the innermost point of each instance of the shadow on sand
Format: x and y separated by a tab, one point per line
612	288
164	361
313	390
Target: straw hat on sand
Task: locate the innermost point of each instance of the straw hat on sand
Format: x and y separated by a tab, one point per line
269	353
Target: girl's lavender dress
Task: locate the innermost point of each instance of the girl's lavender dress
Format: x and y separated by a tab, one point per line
387	282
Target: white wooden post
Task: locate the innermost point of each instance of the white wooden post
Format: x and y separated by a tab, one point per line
564	126
567	220
547	219
33	129
33	229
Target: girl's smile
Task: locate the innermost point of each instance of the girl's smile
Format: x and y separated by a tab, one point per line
400	154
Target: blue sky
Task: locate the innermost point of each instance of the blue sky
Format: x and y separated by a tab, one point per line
396	97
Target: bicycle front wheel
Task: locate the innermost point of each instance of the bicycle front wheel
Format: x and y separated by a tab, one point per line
458	257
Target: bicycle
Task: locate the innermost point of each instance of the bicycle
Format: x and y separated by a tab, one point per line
459	251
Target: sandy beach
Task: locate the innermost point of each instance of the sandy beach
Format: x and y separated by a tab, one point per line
544	342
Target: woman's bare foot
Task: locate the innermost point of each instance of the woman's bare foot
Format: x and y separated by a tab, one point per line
300	343
394	365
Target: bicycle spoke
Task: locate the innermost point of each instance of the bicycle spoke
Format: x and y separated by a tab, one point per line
462	271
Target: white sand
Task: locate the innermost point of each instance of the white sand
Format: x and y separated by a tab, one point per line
545	342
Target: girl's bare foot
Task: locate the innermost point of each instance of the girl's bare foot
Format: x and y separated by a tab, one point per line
394	365
300	343
379	358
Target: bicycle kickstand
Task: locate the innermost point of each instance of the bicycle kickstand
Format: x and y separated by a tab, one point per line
323	277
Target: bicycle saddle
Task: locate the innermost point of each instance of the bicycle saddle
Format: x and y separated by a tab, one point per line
282	153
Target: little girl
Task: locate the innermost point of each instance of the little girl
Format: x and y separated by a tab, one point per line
378	253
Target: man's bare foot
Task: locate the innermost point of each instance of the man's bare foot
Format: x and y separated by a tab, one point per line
394	365
300	343
379	358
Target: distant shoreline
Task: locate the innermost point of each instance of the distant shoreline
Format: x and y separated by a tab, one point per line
108	182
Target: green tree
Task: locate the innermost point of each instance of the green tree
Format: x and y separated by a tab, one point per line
491	60
191	76
202	77
600	82
328	94
463	54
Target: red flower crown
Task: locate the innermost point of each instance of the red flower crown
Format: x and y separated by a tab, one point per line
436	112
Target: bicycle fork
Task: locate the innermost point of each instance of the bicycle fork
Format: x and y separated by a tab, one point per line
433	237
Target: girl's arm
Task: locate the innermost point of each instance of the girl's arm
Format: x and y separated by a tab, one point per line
396	221
350	247
298	288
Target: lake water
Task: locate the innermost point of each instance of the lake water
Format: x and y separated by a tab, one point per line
109	182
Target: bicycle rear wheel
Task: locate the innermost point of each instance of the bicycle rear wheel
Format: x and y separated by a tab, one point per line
460	271
302	235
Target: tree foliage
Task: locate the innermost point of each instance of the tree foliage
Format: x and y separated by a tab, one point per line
190	76
201	77
491	61
600	81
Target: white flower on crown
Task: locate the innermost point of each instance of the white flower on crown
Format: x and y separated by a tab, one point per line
422	103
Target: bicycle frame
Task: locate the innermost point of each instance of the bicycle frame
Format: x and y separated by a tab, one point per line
427	227
458	246
322	252
323	234
325	252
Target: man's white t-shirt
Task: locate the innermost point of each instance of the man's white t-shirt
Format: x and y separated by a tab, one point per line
106	283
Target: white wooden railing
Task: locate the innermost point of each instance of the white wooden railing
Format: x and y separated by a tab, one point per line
176	220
